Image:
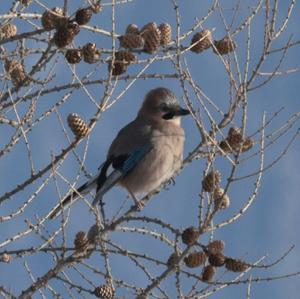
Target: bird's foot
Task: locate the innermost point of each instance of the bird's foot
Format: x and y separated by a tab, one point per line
139	205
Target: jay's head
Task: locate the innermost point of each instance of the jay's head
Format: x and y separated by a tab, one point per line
161	104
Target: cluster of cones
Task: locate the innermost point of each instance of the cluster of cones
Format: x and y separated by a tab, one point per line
235	142
203	40
211	257
81	242
66	28
149	38
211	184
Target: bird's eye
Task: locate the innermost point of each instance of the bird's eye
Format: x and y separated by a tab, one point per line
164	107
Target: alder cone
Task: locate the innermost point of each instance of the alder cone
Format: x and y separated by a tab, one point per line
77	125
65	34
211	181
90	53
131	41
202	40
8	30
73	56
216	259
132	29
224	46
190	235
216	246
84	15
166	33
104	292
208	273
195	259
235	265
53	18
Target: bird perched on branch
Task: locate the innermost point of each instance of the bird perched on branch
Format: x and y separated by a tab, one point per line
146	152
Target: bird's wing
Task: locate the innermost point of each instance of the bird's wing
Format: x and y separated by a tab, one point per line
122	167
127	149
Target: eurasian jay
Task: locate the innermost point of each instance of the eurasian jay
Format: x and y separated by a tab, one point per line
146	153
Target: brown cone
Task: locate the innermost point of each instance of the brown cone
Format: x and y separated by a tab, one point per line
80	241
73	56
83	16
152	40
216	259
222	201
131	41
16	72
77	125
172	260
202	41
90	53
208	273
190	235
247	144
211	181
53	18
65	34
125	57
216	246
132	29
104	292
235	265
166	33
195	259
148	27
224	46
8	30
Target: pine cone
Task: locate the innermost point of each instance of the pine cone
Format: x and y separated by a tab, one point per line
148	27
190	235
235	265
208	273
132	29
166	33
216	246
131	41
202	41
247	144
173	260
90	53
216	259
152	40
224	145
80	241
53	18
5	258
77	125
118	68
224	46
125	57
65	34
8	30
211	181
104	292
83	16
15	72
73	56
235	138
222	201
195	259
93	234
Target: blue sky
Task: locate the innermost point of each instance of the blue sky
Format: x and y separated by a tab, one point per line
270	225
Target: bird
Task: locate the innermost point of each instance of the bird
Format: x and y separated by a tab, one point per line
145	153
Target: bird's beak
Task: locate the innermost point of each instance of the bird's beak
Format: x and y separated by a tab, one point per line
181	112
175	111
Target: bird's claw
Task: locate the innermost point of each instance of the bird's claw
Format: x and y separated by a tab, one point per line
139	205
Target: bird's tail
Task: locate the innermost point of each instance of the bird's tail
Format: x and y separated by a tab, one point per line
63	204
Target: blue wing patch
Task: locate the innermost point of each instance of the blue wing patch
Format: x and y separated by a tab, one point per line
133	159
